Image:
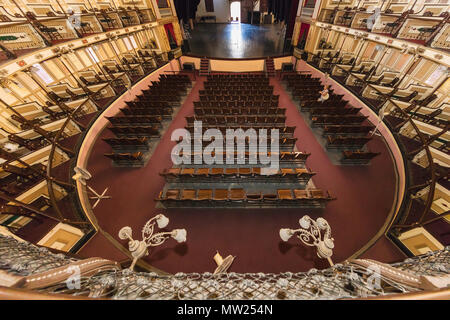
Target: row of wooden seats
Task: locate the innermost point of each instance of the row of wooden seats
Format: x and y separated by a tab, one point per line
359	155
300	173
331	119
274	98
241	81
30	144
135	120
346	129
135	130
282	130
284	156
31	172
238	111
165	112
237	120
283	142
147	104
170	78
297	76
348	141
226	92
241	195
234	104
314	104
165	86
169	99
334	111
164	93
127	156
118	142
172	86
148	65
174	76
238	76
232	87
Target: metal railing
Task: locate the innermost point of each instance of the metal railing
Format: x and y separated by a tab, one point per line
352	279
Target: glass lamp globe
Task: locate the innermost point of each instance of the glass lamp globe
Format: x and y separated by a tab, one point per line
162	221
285	234
179	235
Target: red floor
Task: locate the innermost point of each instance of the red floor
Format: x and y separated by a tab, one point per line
364	198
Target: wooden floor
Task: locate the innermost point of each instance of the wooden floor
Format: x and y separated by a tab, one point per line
238	40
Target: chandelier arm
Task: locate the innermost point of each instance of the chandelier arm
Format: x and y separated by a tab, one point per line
305	237
315	230
158	239
147	230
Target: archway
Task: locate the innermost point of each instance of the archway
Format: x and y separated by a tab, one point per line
235	10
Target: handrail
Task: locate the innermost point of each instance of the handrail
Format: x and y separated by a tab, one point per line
432	183
50	165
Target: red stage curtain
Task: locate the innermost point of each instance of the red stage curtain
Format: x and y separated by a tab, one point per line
169	29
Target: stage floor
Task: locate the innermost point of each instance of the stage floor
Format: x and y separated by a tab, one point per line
236	40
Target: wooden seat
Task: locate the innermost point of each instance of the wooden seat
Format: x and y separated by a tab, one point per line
300	171
285	194
301	194
188	171
318	194
286	171
202	172
231	171
270	197
245	171
237	195
256	171
172	194
220	195
173	171
188	194
254	197
216	172
204	194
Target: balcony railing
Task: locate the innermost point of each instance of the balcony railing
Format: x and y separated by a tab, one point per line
105	279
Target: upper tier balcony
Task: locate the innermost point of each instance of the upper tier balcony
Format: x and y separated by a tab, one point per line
428	28
22	32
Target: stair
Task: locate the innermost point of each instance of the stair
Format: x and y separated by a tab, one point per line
270	67
204	67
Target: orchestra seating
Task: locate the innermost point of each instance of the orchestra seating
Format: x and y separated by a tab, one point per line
342	125
140	122
238	197
241	101
357	156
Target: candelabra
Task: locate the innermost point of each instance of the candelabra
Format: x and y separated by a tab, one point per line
310	234
139	249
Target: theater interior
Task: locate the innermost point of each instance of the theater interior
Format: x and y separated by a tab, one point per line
352	97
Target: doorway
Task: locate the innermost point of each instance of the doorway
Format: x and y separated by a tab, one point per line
235	10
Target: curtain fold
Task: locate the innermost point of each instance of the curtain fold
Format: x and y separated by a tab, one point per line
186	9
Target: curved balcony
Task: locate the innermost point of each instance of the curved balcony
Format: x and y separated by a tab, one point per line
422	175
